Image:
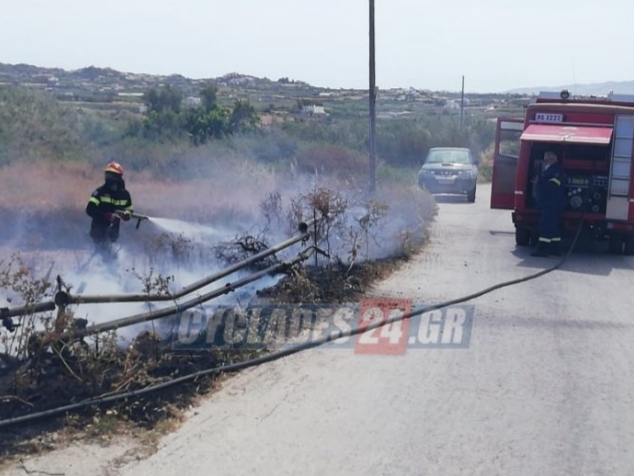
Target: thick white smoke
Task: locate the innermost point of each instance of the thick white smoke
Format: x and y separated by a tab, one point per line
132	272
178	240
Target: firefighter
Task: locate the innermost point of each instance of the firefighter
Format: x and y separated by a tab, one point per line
551	201
109	204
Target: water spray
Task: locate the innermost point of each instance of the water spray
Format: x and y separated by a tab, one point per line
63	297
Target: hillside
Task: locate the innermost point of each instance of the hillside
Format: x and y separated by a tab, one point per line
108	89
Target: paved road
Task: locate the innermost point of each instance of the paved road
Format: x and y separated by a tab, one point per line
546	386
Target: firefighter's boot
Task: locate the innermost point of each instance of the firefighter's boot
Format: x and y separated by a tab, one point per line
542	249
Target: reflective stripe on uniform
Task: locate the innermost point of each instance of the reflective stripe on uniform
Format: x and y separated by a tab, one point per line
94	200
545	240
555	180
555	239
116	203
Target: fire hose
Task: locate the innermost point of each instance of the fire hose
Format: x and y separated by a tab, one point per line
291	350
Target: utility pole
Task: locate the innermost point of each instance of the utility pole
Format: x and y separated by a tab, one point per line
372	104
462	103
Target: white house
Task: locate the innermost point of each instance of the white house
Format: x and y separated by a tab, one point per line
313	109
192	102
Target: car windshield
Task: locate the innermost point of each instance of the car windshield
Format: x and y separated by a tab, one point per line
448	157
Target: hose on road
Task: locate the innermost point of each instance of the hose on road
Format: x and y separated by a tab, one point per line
291	350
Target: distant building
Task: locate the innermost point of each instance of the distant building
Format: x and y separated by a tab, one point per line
192	102
455	103
313	110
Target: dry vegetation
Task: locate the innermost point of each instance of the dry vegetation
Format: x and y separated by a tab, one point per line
361	239
485	168
48	187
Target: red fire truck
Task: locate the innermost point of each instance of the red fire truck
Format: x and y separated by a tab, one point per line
593	138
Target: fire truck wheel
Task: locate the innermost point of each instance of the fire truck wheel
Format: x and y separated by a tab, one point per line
628	249
522	236
616	243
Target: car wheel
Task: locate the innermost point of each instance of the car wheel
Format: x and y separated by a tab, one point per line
471	194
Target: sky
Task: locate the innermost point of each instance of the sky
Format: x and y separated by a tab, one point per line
495	44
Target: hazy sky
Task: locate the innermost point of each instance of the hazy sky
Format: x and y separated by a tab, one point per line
496	44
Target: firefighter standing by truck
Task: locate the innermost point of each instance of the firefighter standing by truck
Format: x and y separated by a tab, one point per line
109	204
551	201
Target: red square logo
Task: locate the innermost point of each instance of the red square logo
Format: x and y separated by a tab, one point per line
390	339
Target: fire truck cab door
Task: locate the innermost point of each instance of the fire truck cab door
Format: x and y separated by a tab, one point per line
505	159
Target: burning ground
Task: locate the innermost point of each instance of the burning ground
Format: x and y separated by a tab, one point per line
198	227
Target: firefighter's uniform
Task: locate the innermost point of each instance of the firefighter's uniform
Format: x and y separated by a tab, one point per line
551	200
105	202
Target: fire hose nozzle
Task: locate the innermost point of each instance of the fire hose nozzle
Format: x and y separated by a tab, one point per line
137	217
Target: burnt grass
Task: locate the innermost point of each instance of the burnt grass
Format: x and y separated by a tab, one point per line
333	283
58	376
50	380
54	378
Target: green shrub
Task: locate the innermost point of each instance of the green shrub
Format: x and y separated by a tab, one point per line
35	126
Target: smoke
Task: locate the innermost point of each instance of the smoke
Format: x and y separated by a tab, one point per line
216	200
129	273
